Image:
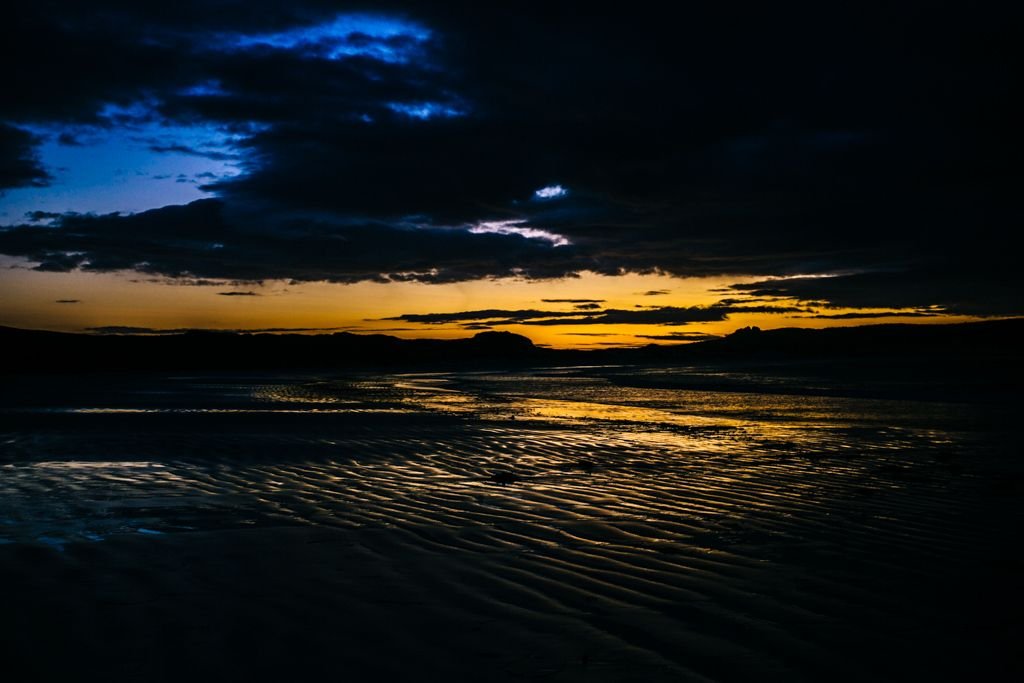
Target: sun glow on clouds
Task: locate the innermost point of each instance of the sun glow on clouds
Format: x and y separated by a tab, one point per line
809	276
383	38
105	300
516	227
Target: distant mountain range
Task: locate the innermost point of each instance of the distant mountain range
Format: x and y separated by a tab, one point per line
990	343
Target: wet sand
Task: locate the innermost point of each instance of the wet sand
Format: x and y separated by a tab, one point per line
548	526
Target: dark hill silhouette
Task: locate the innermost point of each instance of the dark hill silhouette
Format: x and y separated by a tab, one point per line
31	350
992	337
990	342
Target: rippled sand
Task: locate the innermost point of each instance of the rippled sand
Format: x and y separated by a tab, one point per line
554	525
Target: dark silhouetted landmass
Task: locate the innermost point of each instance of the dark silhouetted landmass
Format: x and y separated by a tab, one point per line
31	350
993	344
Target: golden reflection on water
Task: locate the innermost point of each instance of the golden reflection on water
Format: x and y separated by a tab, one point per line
543	450
687	517
582	410
685	420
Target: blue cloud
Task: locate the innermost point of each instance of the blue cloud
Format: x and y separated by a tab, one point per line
425	110
383	38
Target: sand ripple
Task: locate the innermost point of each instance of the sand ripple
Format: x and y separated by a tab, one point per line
595	530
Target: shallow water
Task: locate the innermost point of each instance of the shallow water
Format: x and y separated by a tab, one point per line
173	454
769	529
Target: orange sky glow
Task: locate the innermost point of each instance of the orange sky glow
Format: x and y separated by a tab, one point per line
31	300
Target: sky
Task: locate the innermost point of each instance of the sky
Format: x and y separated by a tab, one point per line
587	177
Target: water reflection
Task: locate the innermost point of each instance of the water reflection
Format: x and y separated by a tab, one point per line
551	449
623	507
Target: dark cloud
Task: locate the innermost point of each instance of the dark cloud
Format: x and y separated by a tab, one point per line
239	294
664	315
854	315
973	284
19	165
68	301
505	316
573	301
205	240
381	330
197	282
743	301
656	292
812	138
679	336
191	151
68	139
40	216
768	308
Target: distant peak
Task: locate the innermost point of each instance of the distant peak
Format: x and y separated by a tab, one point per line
503	338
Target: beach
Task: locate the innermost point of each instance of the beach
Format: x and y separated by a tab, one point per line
560	524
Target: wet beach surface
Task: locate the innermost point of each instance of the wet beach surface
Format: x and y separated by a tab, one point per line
559	524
